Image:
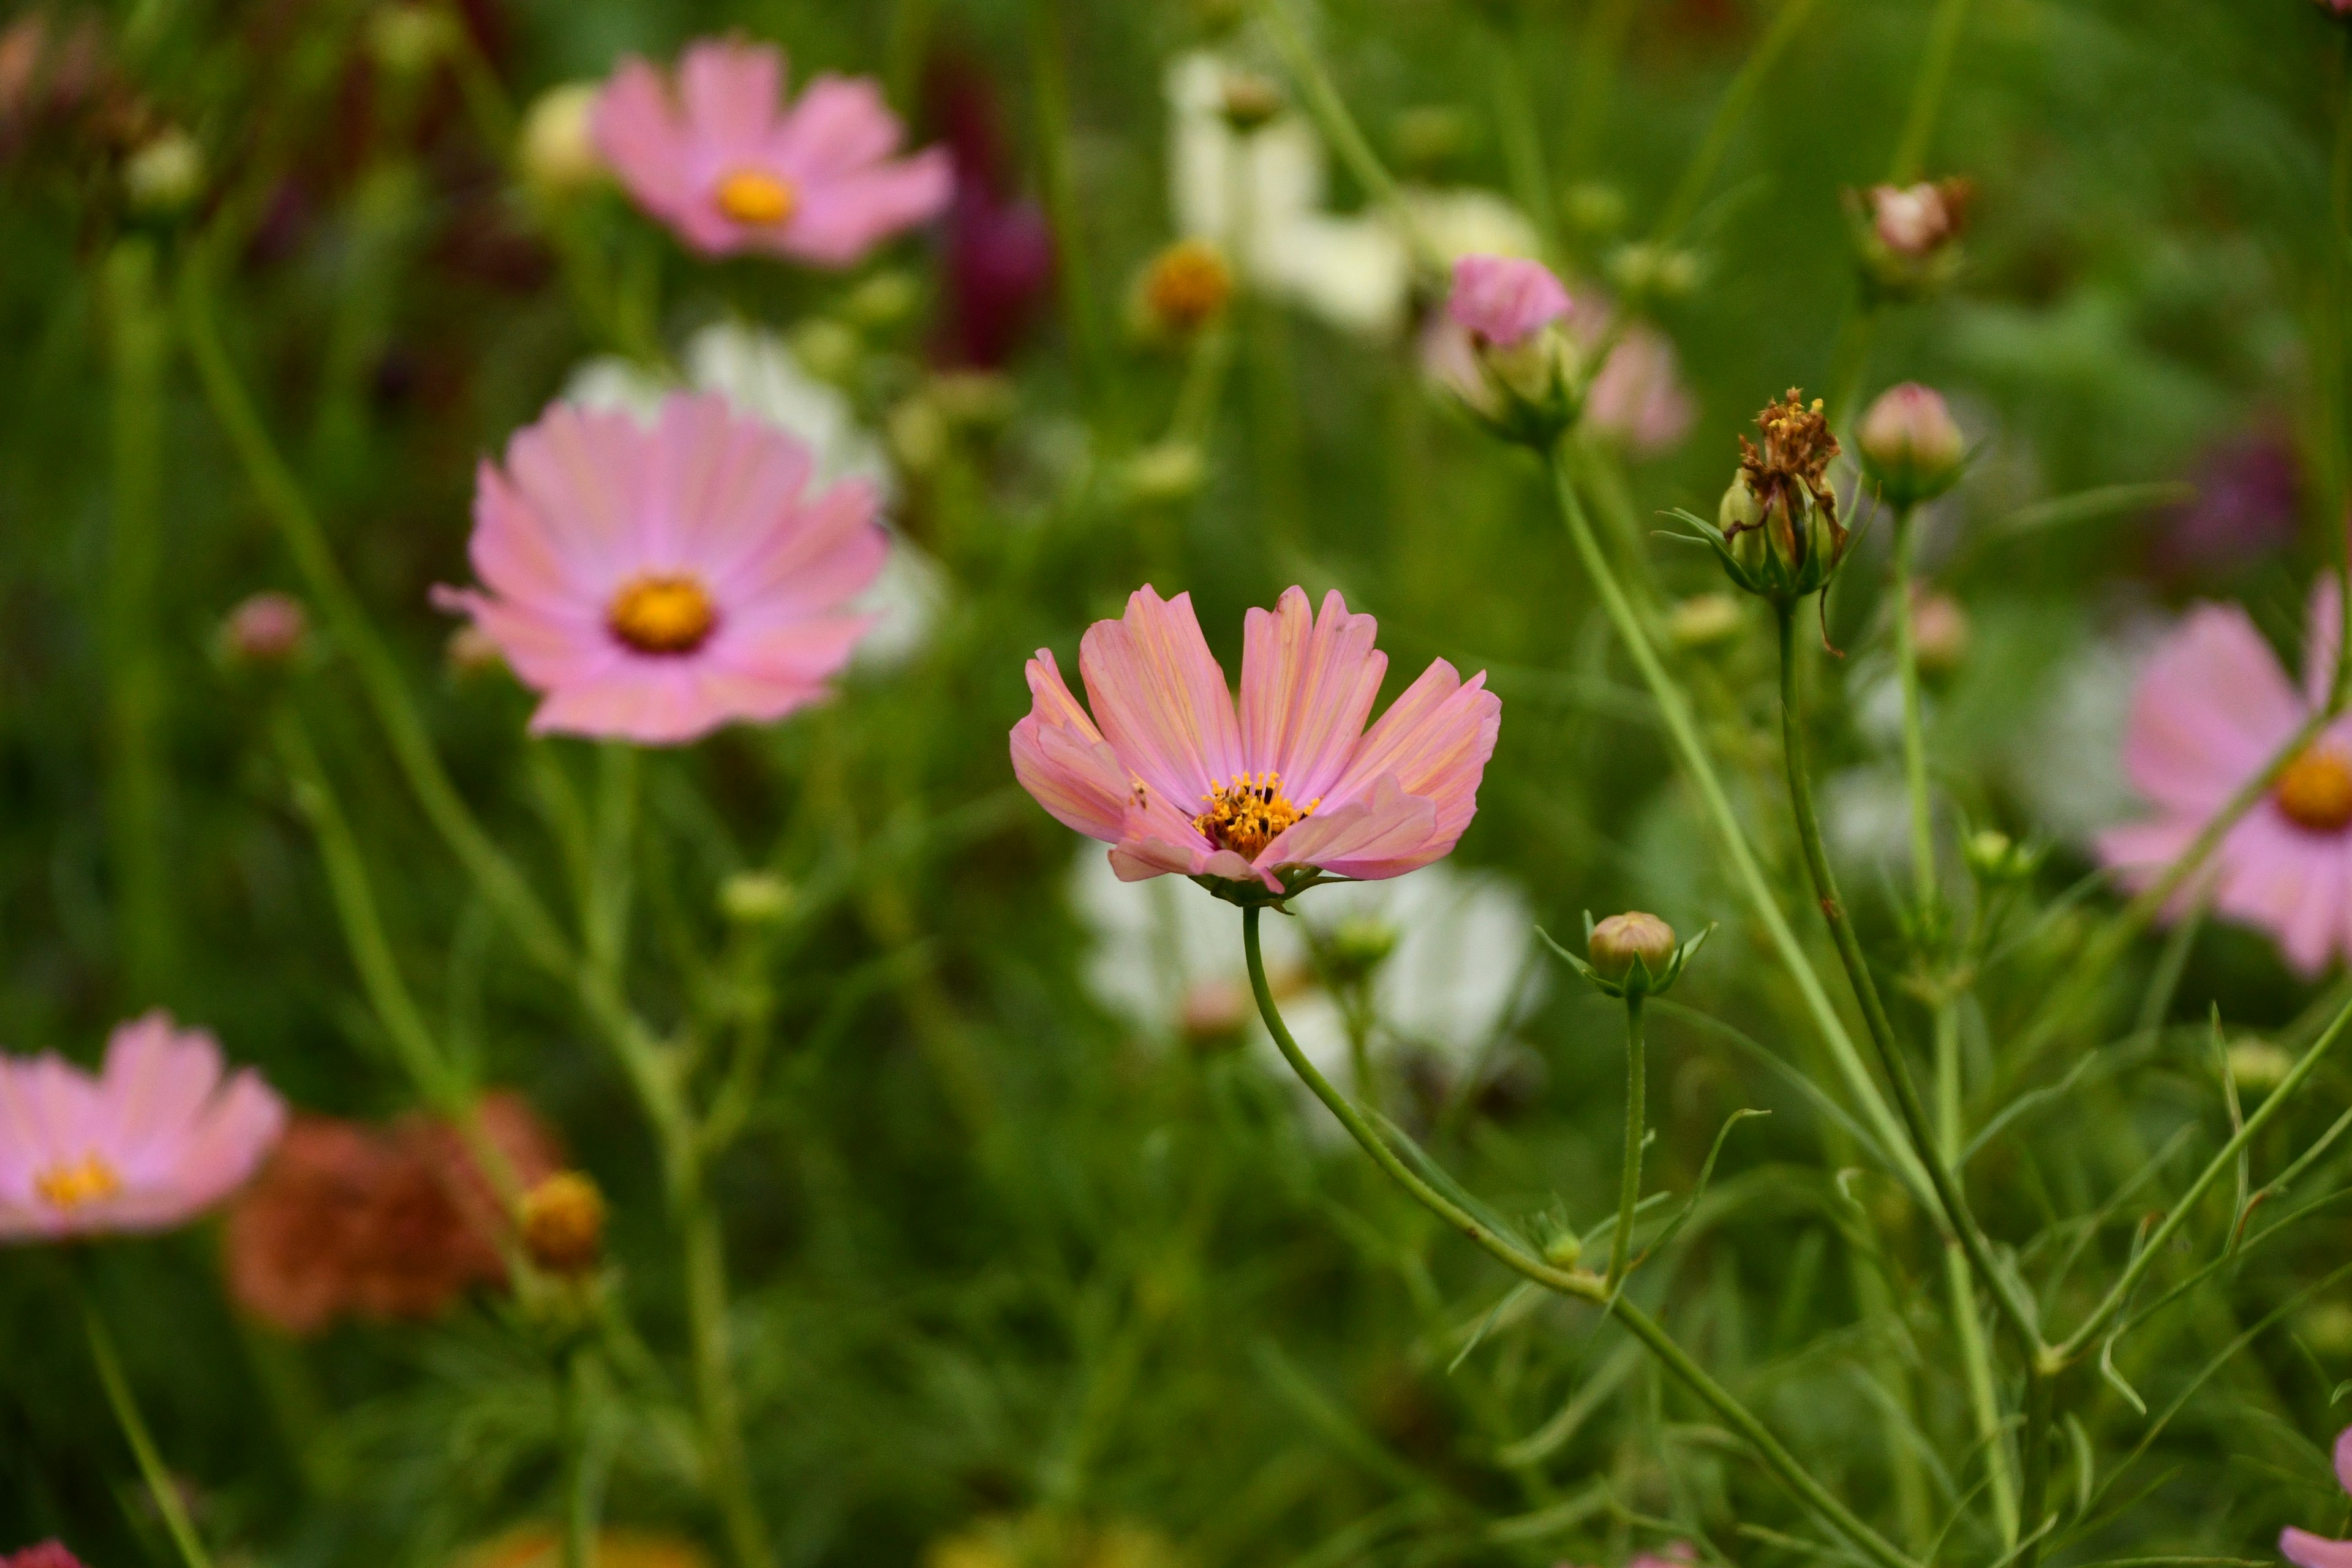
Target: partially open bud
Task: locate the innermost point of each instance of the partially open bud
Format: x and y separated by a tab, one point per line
1186	287
266	629
1910	445
1623	940
557	150
755	898
1509	357
563	1224
1907	235
165	175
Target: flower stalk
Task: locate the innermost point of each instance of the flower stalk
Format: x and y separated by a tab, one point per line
161	1488
1628	1189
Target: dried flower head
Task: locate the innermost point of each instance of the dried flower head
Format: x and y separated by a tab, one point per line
1777	532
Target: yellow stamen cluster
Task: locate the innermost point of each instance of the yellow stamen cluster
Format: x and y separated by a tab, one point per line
86	1179
1188	284
659	614
2315	790
1249	814
755	197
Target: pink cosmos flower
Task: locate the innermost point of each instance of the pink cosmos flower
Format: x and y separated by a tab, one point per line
730	167
1174	780
656	583
2211	708
1505	300
42	1554
150	1142
2308	1551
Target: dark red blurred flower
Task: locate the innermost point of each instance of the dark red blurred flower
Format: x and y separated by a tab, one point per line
46	1554
2245	506
349	1220
1000	252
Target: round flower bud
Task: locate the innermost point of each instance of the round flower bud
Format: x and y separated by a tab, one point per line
1910	445
1185	288
557	150
884	299
165	175
2327	1326
266	629
563	1223
1618	941
755	898
1702	621
1562	1251
406	39
1939	633
1164	472
1994	858
1740	516
1359	945
2258	1065
827	350
1248	100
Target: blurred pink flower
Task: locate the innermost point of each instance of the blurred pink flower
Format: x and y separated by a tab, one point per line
730	167
1917	219
2211	708
1503	300
1636	398
656	583
1174	781
2248	501
267	628
2308	1551
42	1554
150	1142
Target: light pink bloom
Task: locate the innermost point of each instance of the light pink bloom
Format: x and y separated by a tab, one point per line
1912	220
730	166
2308	1551
656	583
1504	300
150	1142
1636	398
1174	780
2211	708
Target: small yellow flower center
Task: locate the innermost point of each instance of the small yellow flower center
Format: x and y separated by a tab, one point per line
1188	283
2315	790
657	614
755	196
86	1179
1249	814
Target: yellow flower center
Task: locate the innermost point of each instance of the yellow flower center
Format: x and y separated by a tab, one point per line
2315	790
655	614
756	198
86	1179
1249	814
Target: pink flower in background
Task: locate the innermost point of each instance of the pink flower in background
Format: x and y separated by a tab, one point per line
155	1140
2248	500
1000	250
1175	780
1637	398
2308	1551
653	584
2211	708
730	166
1504	300
43	1554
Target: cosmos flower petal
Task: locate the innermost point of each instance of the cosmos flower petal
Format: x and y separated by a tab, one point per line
729	90
2308	1551
845	217
637	130
1385	833
1159	697
1308	685
2211	708
724	483
840	125
2323	626
1435	740
1136	859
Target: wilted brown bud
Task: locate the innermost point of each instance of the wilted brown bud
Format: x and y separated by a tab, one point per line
1620	940
563	1223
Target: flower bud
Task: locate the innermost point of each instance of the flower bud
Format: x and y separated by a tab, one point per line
1994	858
1702	621
1358	946
1186	287
884	299
471	651
1777	529
755	898
826	349
1617	942
557	150
1939	633
407	39
563	1224
1248	100
1165	472
266	629
1562	1251
1740	516
165	175
2258	1065
1520	374
1910	445
1907	234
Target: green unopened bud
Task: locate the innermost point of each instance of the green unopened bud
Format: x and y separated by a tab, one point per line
1741	517
1164	472
406	41
884	299
2326	1328
1994	858
1562	1251
2258	1066
557	149
166	174
1618	942
1248	100
755	898
827	349
1358	946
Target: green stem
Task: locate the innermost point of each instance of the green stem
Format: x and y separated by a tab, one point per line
1597	52
1629	1186
1915	738
611	878
1958	1221
1514	111
579	1494
1579	1284
1927	92
1674	710
1850	360
1050	83
160	1486
1976	1362
138	343
1330	112
2033	1442
727	1470
1733	107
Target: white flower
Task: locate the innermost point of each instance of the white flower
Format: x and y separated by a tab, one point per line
754	370
1465	970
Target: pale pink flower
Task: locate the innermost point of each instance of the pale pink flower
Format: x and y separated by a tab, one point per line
1174	780
730	166
1636	398
2308	1551
1504	300
1917	219
2211	708
155	1140
656	583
